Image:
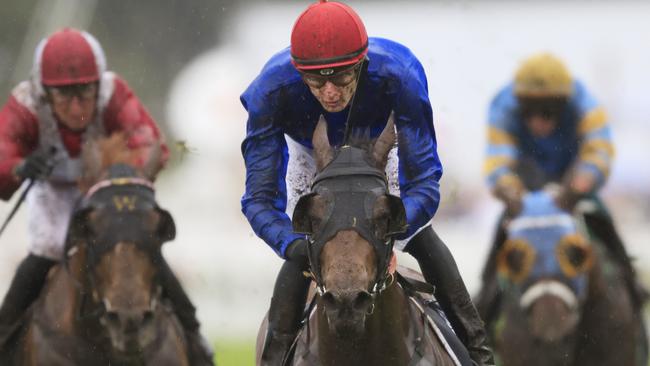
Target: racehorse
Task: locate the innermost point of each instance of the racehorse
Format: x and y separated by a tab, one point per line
102	305
563	301
361	315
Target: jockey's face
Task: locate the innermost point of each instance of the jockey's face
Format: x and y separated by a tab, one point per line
541	115
334	91
74	105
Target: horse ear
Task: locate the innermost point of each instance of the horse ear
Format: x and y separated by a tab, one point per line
301	219
397	219
166	226
323	151
385	143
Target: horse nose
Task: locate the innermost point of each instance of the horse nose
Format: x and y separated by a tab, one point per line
356	300
130	321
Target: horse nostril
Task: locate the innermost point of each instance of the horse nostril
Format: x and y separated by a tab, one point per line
362	301
147	317
329	300
112	317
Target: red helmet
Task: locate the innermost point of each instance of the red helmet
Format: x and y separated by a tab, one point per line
328	35
69	56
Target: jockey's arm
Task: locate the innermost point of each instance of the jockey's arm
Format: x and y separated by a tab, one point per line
125	113
265	155
502	152
419	165
18	138
596	149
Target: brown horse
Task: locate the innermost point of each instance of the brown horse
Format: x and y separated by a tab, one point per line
563	301
361	315
103	305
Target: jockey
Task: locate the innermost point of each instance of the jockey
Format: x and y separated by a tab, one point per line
545	127
316	76
70	99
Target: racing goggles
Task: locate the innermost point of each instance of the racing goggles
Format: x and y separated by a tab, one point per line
319	78
548	108
65	94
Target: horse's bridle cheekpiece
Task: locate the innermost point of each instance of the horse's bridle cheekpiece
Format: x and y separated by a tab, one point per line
350	186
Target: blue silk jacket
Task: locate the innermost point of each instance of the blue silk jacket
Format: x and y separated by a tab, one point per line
278	103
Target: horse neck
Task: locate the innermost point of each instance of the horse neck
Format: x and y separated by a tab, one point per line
385	333
62	295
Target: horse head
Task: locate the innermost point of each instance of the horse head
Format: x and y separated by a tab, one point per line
351	221
544	266
120	229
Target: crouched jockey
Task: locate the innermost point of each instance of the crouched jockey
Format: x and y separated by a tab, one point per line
318	75
545	127
71	98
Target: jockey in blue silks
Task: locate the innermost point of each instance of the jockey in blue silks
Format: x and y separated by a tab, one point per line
316	76
545	127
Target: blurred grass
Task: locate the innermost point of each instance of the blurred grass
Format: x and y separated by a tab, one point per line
234	352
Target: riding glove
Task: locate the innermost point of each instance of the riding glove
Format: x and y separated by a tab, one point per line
35	166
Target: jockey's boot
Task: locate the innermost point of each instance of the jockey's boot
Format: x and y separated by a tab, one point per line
440	270
285	313
24	289
601	225
200	352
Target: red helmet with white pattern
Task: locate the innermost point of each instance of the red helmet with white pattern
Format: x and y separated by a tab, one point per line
69	56
328	35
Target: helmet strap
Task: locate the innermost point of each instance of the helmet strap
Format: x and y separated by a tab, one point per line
352	113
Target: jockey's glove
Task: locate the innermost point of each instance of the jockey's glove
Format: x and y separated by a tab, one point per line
37	165
567	198
297	251
512	196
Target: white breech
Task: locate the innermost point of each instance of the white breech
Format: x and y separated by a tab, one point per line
301	170
49	209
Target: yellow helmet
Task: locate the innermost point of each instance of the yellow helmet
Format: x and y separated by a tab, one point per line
543	75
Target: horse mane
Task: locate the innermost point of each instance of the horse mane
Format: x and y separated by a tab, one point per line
99	154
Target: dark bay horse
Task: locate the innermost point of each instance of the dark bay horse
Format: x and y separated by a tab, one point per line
563	301
361	315
103	304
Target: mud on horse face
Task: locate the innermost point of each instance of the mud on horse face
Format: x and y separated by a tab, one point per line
351	222
122	229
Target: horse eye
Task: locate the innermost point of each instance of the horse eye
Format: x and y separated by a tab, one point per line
515	260
574	255
577	256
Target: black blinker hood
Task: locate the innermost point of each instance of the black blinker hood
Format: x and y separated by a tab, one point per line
350	186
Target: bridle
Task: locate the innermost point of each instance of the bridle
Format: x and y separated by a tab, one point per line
351	186
120	195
